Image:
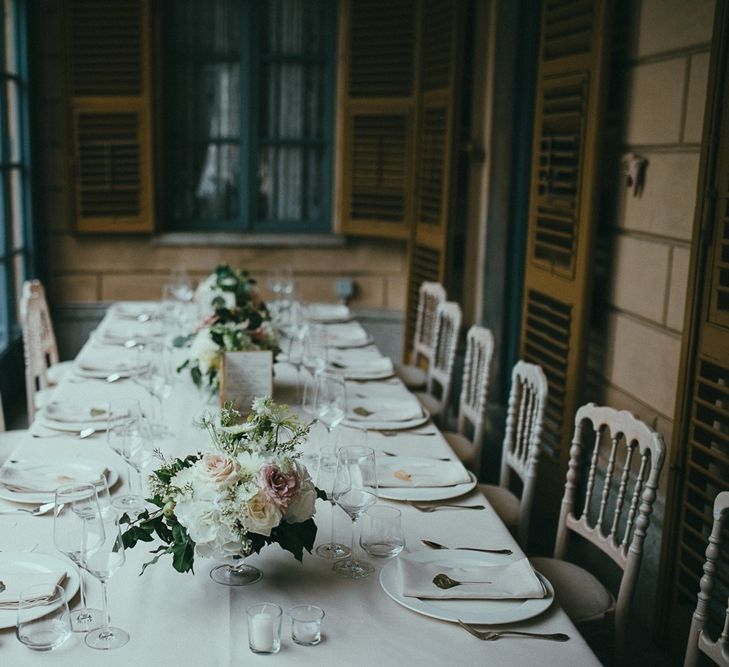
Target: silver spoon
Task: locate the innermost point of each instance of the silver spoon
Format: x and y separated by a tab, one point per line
491	635
436	545
442	580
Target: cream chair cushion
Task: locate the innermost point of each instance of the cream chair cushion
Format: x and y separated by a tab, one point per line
504	502
412	376
463	448
580	594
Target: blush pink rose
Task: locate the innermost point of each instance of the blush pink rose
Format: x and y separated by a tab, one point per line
221	469
280	488
208	321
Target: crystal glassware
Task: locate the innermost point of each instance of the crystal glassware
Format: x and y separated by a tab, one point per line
355	491
381	534
43	619
326	473
306	624
70	533
239	573
122	412
102	560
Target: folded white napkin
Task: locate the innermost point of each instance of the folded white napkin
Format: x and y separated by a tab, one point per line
382	409
356	356
133	309
118	332
516	580
16	581
346	334
46	477
328	312
105	359
73	411
415	472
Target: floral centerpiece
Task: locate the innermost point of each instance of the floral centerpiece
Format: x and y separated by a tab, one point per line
240	321
248	490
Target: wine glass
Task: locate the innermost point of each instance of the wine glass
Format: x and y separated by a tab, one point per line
122	412
137	450
330	402
355	491
325	476
181	286
156	375
102	560
70	532
286	282
314	355
274	282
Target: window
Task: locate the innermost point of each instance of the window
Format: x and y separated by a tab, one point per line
15	236
248	114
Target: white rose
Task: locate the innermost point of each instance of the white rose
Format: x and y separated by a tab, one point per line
250	463
263	515
205	350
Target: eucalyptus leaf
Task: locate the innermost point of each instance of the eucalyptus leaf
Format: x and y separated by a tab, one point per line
362	412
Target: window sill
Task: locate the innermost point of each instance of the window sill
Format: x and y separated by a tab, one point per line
206	239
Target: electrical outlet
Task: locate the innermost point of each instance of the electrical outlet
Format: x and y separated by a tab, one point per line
344	288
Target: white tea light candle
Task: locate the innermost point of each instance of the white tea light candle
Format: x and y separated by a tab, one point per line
306	624
264	628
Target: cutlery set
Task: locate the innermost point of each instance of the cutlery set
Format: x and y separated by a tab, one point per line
434	508
492	635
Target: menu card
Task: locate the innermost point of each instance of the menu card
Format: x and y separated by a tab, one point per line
245	375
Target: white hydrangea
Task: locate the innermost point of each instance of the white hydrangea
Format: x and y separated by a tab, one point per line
205	350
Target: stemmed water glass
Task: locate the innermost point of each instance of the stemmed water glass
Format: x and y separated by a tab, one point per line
72	502
122	413
355	491
102	559
326	474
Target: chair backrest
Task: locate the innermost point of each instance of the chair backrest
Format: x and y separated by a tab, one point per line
474	388
523	435
639	451
430	296
2	416
440	370
39	341
698	640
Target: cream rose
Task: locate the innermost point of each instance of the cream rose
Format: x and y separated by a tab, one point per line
303	506
221	469
263	515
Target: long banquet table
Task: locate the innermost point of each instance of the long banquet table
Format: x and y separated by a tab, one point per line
176	619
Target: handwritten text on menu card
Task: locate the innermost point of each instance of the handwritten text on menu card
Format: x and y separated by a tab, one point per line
245	375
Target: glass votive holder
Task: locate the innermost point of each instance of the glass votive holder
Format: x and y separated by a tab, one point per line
264	627
43	619
306	624
382	535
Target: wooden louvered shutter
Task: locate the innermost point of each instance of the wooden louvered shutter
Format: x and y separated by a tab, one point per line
700	454
563	216
438	80
110	107
377	116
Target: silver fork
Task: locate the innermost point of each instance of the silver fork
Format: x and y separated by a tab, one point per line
433	508
41	509
435	458
492	635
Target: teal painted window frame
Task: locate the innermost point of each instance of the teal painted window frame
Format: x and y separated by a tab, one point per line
16	236
252	145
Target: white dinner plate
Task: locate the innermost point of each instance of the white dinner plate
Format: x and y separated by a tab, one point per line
69	469
425	493
54	425
28	561
486	612
344	344
102	375
363	377
367	425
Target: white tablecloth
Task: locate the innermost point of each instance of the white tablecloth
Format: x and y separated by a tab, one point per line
186	620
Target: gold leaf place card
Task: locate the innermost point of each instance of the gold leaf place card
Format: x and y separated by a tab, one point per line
362	412
404	476
245	375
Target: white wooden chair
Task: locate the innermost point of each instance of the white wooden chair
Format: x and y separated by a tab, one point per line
440	371
698	641
413	375
42	367
521	448
474	398
612	519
